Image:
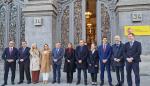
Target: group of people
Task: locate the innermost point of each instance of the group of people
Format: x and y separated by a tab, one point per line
80	59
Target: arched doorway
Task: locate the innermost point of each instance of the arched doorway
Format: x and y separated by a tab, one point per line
90	16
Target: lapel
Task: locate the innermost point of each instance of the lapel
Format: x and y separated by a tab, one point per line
24	50
8	51
57	51
92	56
117	50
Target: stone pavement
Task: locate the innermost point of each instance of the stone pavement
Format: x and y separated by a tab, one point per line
144	72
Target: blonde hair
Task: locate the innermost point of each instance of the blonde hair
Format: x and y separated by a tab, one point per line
34	50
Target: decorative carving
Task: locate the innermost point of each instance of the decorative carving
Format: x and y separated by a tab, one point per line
2	25
65	27
12	22
63	1
77	21
13	9
105	21
22	28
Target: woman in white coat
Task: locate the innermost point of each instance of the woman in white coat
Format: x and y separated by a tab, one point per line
35	63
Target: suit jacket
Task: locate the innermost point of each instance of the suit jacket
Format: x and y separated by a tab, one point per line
133	51
93	60
117	52
104	54
81	55
24	54
6	54
57	55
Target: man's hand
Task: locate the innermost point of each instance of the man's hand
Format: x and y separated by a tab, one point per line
115	59
68	61
104	61
129	60
96	65
118	60
80	61
10	60
21	60
55	60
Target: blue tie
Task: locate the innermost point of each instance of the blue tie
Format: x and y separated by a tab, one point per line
131	43
23	49
81	48
57	50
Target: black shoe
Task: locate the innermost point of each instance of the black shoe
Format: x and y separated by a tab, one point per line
4	84
53	82
121	84
20	82
102	83
58	82
77	83
117	84
12	83
85	83
110	84
29	82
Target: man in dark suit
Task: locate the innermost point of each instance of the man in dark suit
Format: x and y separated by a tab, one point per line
118	60
104	52
132	54
10	56
24	63
81	54
57	56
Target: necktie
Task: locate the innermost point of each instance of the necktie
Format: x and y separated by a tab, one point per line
131	43
57	50
81	48
104	47
10	50
23	49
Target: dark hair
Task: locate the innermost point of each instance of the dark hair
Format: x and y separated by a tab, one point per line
70	44
94	43
104	37
24	41
131	34
45	44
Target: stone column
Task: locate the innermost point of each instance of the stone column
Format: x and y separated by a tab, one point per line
98	21
83	20
40	22
71	22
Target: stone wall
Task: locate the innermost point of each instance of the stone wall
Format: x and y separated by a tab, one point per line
124	10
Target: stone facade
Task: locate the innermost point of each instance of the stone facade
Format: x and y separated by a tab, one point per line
50	21
44	13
